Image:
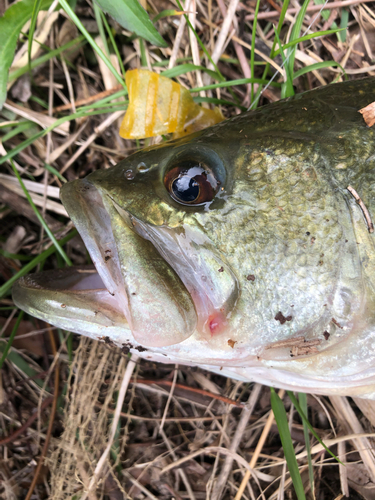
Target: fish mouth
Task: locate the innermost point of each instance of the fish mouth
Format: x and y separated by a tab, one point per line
74	299
167	286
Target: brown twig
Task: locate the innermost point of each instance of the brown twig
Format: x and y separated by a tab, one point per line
202	392
159	419
51	420
27	424
366	213
87	100
274	5
311	8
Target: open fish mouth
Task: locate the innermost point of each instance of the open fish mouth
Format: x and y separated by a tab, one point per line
74	299
156	287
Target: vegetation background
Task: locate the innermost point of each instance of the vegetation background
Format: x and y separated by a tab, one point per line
72	425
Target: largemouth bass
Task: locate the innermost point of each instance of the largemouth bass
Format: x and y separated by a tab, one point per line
239	248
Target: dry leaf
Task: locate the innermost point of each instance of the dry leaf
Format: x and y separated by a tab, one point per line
369	114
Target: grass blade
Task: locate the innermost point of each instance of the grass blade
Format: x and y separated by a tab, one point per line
166	13
343	25
317	66
286	441
303	402
114	45
4	289
53	171
287	88
22	127
309	36
341	35
34	18
11	24
65	5
296	30
40	218
23	366
133	17
11	338
252	55
99	22
14	256
294	400
272	54
185	68
232	83
203	47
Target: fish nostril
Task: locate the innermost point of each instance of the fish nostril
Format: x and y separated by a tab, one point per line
142	168
129	175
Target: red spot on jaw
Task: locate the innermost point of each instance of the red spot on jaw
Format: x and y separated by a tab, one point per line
215	323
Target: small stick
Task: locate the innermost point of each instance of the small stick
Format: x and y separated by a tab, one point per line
366	213
179	35
87	100
238	435
287	342
27	424
191	389
51	418
219	46
310	8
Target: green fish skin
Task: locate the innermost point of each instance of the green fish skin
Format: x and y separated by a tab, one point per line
254	261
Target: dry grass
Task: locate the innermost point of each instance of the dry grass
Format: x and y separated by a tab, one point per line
181	432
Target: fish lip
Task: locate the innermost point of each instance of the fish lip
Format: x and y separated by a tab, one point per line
84	204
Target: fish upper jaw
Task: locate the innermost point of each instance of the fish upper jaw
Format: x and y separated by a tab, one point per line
85	207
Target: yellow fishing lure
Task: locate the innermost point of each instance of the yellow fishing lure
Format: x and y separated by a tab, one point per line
158	105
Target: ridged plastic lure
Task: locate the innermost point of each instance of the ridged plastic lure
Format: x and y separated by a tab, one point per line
158	105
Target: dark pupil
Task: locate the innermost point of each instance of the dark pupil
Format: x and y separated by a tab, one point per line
185	188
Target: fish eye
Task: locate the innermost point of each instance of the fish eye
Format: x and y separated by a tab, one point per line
191	183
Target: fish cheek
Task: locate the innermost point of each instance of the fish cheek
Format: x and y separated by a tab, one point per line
280	227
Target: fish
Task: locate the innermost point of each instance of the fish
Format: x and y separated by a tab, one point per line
246	249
